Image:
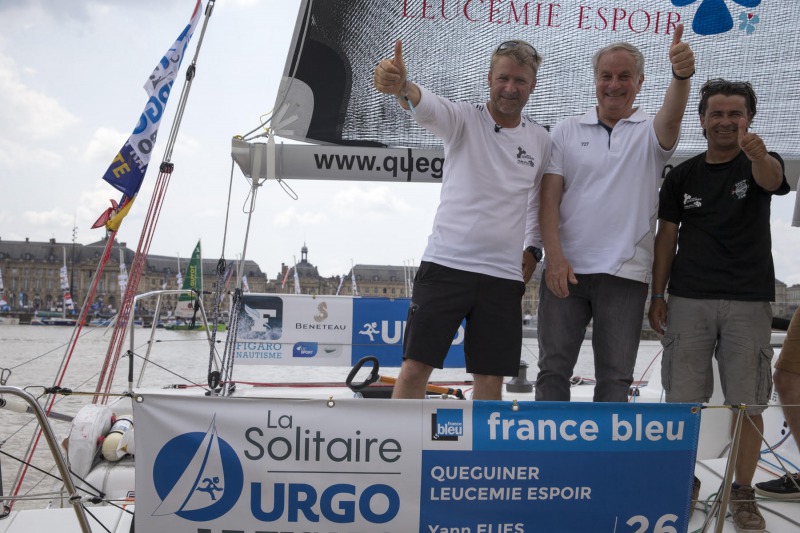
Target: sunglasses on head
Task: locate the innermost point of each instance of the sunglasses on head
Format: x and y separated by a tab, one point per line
717	84
508	45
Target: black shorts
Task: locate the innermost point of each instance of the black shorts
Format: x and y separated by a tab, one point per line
492	307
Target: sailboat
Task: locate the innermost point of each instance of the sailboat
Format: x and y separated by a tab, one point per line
66	305
313	456
186	316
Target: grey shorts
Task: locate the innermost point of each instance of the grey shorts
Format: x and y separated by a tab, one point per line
736	333
789	359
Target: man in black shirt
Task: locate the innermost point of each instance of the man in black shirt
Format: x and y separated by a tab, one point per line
715	209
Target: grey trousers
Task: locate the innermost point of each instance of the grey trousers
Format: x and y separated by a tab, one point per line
616	306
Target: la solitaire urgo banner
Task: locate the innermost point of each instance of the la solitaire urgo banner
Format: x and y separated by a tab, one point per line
214	465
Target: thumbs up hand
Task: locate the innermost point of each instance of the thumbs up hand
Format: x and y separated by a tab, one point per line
751	144
390	74
681	55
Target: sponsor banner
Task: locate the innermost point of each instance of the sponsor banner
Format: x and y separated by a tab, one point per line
560	466
208	464
291	329
355	163
306	330
235	464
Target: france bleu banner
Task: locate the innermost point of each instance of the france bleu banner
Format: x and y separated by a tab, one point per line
208	464
128	168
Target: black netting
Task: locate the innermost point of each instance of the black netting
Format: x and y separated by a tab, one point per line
450	54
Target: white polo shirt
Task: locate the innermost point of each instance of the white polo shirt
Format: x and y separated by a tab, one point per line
609	204
489	197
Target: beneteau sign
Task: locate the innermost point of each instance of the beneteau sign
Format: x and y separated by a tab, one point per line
209	465
304	330
326	95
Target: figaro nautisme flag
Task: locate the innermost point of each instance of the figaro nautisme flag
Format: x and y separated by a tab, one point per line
128	168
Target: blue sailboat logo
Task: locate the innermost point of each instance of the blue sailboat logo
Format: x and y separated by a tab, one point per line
198	476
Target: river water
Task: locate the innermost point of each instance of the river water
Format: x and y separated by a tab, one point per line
33	355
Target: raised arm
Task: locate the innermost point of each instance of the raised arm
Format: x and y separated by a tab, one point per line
667	122
767	170
391	78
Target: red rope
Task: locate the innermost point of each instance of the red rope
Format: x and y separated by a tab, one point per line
106	378
62	371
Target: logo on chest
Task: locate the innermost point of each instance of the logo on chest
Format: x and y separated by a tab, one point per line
524	159
691	202
739	190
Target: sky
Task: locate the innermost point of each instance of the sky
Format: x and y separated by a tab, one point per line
71	80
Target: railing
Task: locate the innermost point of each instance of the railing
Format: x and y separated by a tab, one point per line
74	498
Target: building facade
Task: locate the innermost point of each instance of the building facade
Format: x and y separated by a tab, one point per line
31	279
31	273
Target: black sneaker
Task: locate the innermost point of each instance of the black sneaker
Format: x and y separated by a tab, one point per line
783	488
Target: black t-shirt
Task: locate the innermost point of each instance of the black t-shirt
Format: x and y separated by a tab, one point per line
724	242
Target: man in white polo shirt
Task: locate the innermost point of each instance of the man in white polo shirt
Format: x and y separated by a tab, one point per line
484	244
599	198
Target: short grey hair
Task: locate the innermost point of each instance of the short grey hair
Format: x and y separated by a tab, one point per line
638	57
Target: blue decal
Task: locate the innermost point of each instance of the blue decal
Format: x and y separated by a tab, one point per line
447	424
713	16
748	21
304	349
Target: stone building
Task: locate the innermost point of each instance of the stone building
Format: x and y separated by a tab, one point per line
371	281
30	272
31	275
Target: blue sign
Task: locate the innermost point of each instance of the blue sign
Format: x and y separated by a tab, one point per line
378	326
566	467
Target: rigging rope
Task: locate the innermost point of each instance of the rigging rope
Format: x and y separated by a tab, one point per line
139	261
60	373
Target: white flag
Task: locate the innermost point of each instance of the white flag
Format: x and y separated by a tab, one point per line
341	282
123	278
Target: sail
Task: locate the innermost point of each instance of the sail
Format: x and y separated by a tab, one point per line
326	95
192	280
3	302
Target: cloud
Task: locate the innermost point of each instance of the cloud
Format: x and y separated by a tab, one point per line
104	145
26	112
360	201
53	218
18	156
71	9
291	217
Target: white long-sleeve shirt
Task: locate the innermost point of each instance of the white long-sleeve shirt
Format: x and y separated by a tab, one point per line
488	207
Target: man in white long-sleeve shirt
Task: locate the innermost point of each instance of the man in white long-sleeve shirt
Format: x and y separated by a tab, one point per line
485	242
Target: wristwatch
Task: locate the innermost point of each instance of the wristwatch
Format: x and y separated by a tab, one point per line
535	252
